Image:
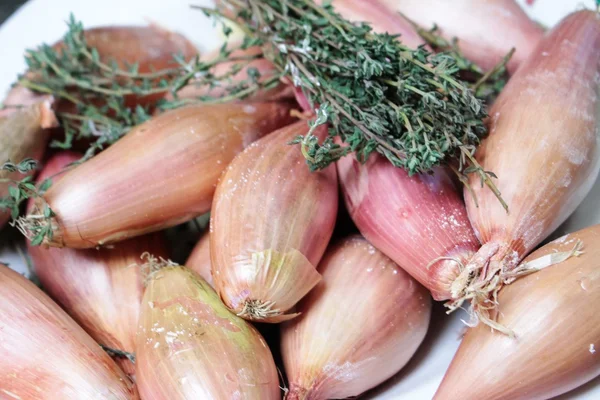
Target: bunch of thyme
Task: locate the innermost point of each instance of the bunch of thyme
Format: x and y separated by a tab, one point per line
376	94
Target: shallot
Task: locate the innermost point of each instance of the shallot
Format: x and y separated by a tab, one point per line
199	260
160	174
266	71
359	326
418	221
270	224
44	354
543	146
190	346
101	289
376	14
553	314
486	29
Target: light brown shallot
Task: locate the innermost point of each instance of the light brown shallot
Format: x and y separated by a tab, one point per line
359	326
161	173
190	346
151	47
543	146
270	224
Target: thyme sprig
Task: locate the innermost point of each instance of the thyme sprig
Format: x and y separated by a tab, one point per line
486	84
98	91
375	93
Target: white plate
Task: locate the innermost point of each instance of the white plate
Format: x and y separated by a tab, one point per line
43	21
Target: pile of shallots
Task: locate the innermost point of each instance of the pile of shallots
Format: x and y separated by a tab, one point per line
118	320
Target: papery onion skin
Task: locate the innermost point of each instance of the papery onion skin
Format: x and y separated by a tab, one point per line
199	259
19	96
100	289
554	316
486	29
359	326
23	134
543	146
414	220
161	173
46	355
190	346
270	224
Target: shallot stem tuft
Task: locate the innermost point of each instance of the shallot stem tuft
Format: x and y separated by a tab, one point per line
480	285
152	265
258	310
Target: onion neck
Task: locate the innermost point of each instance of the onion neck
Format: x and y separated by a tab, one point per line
446	271
481	279
299	393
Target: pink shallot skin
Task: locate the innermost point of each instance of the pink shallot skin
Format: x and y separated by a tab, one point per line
414	220
375	13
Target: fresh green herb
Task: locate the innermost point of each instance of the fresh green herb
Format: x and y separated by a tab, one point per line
486	85
375	93
97	90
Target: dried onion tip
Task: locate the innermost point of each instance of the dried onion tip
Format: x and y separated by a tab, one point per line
270	224
23	133
359	326
190	346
